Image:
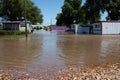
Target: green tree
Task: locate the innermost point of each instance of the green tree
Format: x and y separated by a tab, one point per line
14	10
71	13
92	11
60	19
112	7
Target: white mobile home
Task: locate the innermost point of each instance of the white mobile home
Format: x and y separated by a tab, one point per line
1	26
16	25
81	29
106	27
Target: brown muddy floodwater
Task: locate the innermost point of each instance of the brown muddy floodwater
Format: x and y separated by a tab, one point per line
46	51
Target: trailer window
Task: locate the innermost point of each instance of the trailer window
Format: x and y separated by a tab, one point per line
22	24
97	26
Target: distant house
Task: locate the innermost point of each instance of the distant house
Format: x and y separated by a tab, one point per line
38	26
59	28
106	27
11	25
16	25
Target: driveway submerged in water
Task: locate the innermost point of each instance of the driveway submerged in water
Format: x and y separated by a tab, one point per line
49	51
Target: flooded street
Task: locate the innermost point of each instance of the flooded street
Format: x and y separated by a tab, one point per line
48	51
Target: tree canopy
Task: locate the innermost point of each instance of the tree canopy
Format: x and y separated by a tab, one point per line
112	7
72	11
91	11
14	10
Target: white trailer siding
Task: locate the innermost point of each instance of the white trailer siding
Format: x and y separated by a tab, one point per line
97	28
83	30
22	28
74	28
110	27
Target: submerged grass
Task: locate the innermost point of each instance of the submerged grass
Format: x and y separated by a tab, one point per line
115	79
10	32
11	37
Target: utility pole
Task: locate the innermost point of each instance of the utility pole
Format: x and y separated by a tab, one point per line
94	6
51	21
25	19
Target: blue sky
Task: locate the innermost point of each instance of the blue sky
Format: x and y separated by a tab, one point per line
50	8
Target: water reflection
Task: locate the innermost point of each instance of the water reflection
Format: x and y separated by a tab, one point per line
17	53
90	49
44	49
110	48
49	50
80	49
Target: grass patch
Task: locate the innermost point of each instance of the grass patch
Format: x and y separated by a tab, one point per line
115	79
11	37
9	32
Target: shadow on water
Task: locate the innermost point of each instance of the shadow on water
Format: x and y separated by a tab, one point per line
43	50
